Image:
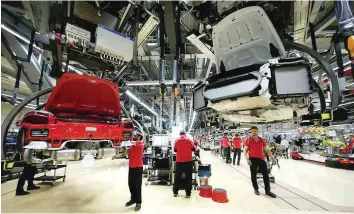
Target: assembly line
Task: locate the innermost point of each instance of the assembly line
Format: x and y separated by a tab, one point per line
177	106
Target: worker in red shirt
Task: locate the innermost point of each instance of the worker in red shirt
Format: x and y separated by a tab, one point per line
222	153
244	142
236	144
351	145
253	152
195	141
184	163
227	148
135	171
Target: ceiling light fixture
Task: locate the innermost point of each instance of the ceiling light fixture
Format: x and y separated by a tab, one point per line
73	68
131	95
346	104
156	82
201	46
152	44
194	116
19	36
147	29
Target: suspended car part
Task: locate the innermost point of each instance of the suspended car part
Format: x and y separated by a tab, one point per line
257	82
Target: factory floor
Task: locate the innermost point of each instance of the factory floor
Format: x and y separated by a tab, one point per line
103	189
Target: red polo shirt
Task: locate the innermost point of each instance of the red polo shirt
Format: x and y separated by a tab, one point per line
184	147
255	148
136	155
225	142
236	142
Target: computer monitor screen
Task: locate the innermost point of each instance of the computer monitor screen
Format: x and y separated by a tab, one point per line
198	98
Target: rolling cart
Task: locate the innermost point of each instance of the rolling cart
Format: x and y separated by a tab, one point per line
10	170
146	158
51	179
159	170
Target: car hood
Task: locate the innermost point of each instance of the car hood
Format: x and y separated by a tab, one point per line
82	94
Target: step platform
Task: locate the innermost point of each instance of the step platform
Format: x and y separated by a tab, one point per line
206	191
220	196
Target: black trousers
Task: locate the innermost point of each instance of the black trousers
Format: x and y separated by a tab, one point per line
135	179
262	166
228	154
237	152
27	174
187	169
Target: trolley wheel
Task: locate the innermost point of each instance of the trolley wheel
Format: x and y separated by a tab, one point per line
272	181
64	179
146	183
198	188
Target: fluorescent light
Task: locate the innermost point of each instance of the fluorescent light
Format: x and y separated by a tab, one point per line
152	44
14	80
345	104
131	95
19	98
156	83
201	47
147	29
334	69
346	124
191	126
27	106
72	68
191	107
19	36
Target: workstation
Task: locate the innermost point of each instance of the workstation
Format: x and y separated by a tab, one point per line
181	106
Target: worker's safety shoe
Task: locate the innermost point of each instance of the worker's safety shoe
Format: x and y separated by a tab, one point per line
270	194
137	207
19	193
33	187
129	203
256	192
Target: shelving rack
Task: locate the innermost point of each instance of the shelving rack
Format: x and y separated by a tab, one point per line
51	179
10	143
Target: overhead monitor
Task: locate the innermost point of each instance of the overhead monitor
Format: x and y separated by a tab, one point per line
199	102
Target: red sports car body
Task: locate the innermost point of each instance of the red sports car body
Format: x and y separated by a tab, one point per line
82	115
